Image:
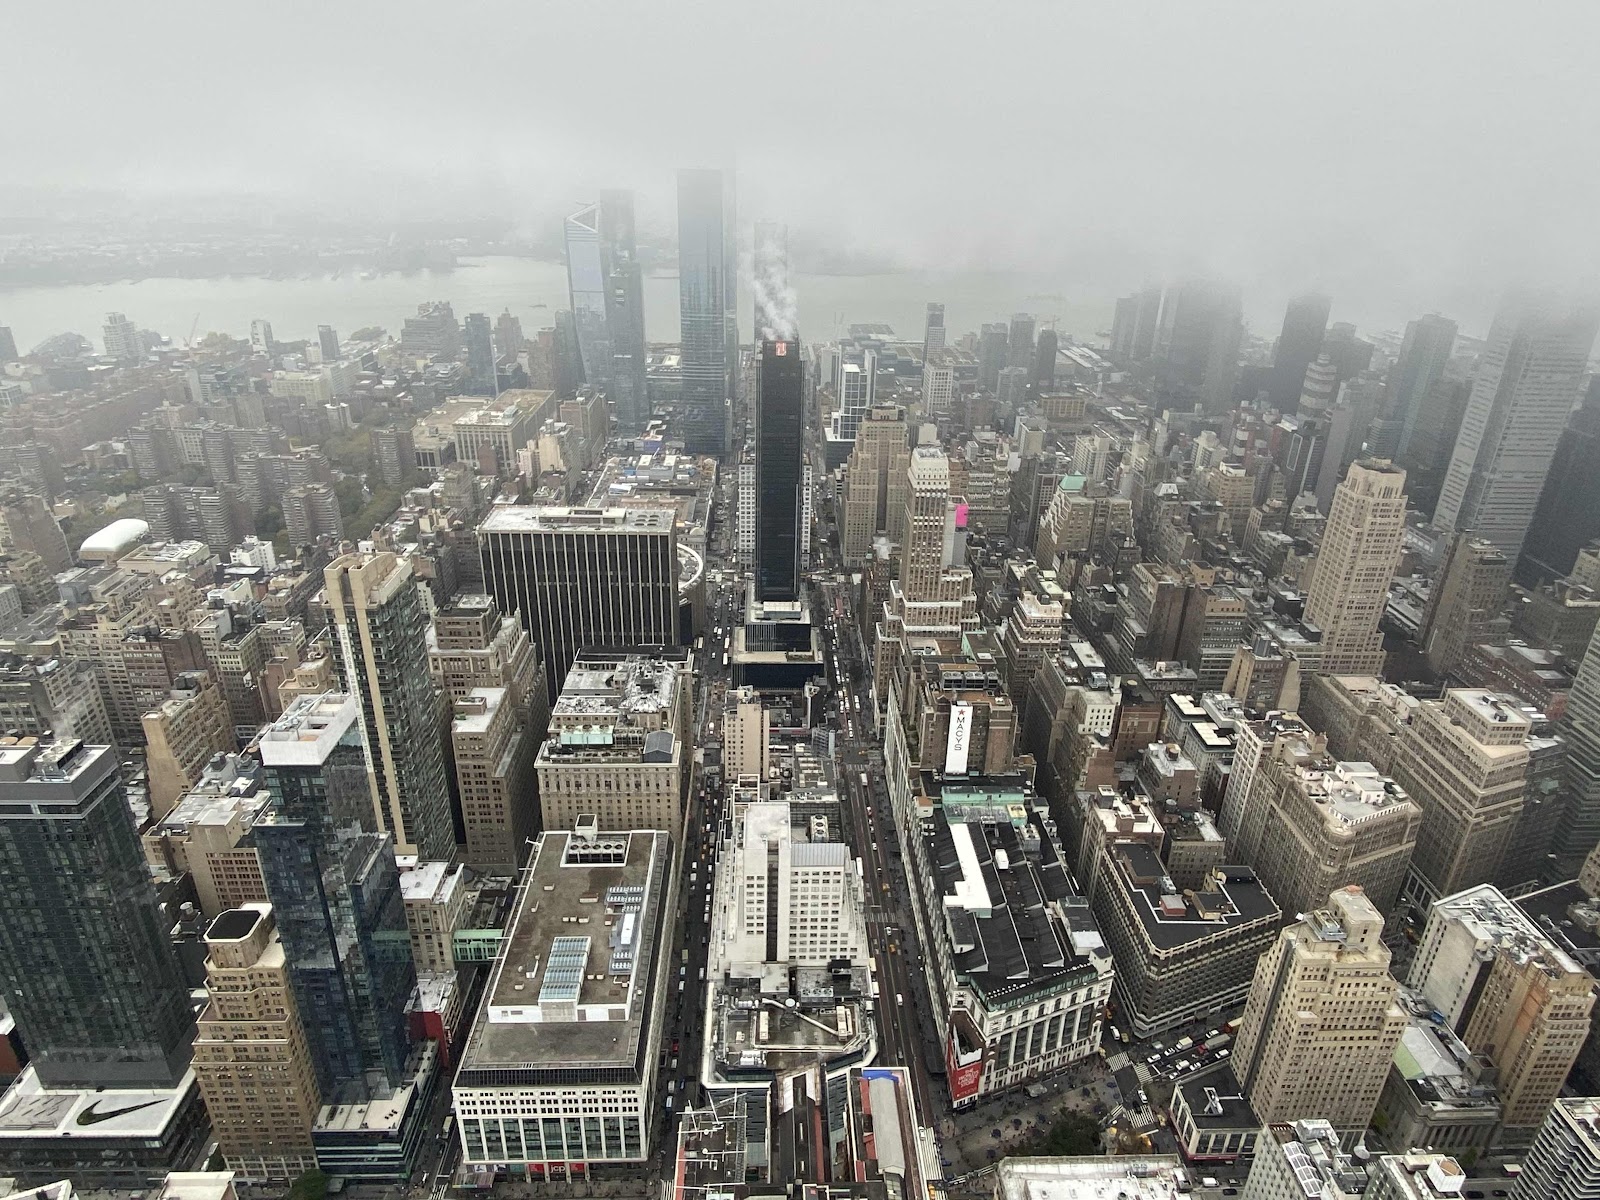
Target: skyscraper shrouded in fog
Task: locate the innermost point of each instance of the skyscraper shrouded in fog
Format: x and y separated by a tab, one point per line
477	335
1525	388
1044	359
780	440
933	333
1424	354
586	283
1305	323
85	962
630	401
707	291
335	893
1197	344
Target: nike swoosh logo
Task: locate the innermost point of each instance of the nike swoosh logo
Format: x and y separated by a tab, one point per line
90	1117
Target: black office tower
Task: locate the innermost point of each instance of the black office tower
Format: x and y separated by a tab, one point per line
780	441
85	962
1568	516
1304	326
1044	359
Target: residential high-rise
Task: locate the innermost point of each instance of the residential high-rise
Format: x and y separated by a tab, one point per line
335	892
583	577
1320	1027
328	343
251	1055
8	345
780	451
1355	563
26	523
122	339
1197	344
587	279
1464	760
261	339
933	334
874	483
182	734
494	753
1527	383
379	625
86	966
1305	323
477	336
471	645
938	390
617	747
311	512
1512	993
394	456
1464	606
1424	354
630	400
1564	1161
707	292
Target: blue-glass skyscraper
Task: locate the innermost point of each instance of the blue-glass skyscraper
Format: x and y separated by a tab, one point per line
335	890
707	292
630	399
586	282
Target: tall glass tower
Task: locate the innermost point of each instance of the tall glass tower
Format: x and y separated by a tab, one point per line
335	892
478	335
587	278
85	962
380	629
630	399
707	292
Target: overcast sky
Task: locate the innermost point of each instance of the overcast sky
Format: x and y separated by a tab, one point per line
1401	156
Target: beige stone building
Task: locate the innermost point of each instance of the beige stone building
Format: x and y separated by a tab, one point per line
1516	996
1464	760
875	481
494	755
1320	824
1355	562
182	735
207	834
617	747
250	1052
435	895
1321	1024
745	735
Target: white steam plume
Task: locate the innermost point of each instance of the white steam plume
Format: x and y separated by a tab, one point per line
776	303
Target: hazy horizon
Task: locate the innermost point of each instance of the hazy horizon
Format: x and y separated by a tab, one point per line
1402	159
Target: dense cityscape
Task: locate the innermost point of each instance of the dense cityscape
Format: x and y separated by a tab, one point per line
510	749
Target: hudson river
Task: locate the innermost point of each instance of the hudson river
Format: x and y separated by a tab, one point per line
533	291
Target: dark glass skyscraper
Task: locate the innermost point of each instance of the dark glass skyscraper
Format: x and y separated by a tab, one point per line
478	336
1304	325
335	890
780	467
630	400
85	962
1044	359
1197	342
707	291
1424	354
